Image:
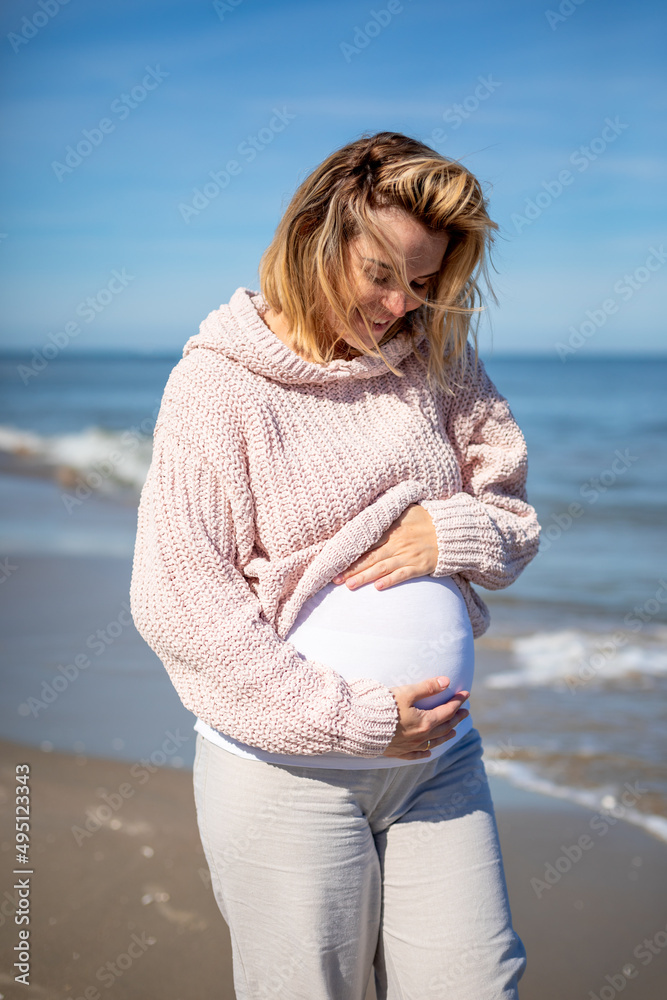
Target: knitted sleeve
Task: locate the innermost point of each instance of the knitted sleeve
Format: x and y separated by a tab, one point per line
196	610
488	532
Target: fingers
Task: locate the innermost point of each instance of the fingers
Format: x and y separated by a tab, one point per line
447	731
422	689
420	722
437	735
416	726
444	713
417	754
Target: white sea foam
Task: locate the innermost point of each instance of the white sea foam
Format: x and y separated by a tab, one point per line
573	657
606	800
100	459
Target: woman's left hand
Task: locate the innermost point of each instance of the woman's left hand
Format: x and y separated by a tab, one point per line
408	548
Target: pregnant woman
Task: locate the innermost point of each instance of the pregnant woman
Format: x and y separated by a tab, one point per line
332	471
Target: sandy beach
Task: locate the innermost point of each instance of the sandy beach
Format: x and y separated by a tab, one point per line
121	904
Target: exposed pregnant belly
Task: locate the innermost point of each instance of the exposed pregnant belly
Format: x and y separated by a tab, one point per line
407	633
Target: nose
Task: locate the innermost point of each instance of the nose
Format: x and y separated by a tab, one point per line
398	303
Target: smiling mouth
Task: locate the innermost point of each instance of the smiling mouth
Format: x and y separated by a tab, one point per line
377	326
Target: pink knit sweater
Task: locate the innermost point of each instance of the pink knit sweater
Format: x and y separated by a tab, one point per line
270	475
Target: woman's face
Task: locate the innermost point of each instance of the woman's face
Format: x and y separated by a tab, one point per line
381	301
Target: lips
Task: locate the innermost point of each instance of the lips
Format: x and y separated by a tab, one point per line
378	325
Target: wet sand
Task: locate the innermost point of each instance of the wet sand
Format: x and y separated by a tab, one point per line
126	910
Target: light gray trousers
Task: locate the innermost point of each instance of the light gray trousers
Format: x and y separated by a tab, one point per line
323	874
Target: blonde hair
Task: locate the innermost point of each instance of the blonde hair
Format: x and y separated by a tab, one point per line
304	271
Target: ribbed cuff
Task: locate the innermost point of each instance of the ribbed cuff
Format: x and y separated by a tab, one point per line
371	721
461	525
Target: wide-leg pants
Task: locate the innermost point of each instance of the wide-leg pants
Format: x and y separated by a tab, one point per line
323	874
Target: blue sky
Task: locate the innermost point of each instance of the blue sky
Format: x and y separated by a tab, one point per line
202	79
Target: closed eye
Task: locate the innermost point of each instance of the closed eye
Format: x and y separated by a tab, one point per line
382	279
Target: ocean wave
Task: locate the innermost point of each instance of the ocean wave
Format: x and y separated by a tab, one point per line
93	460
570	658
603	800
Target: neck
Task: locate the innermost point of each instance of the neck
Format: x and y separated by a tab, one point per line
342	351
277	324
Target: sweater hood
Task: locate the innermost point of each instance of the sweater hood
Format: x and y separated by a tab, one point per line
238	331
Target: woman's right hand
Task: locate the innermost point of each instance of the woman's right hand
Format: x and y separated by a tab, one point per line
417	725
